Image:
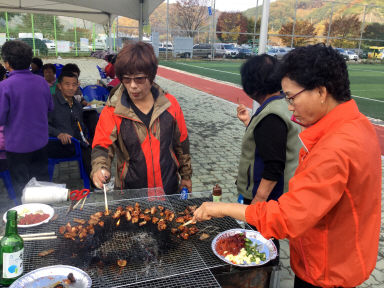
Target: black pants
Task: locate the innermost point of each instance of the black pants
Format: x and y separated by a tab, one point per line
24	166
302	284
90	118
58	150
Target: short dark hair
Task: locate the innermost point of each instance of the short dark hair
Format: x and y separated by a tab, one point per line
318	65
259	76
18	54
49	66
3	72
37	61
136	57
66	74
71	67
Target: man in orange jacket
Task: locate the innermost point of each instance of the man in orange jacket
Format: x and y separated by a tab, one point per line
332	211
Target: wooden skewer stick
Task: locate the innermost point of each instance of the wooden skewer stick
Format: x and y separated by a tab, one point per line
40	238
189	222
37	234
77	204
82	205
105	199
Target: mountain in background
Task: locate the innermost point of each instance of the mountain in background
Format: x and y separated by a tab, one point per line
318	11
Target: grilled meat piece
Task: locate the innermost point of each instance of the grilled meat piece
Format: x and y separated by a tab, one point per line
184	235
117	214
171	217
142	223
181	228
147	211
91	230
141	216
93	222
101	224
79	221
155	220
188	217
98	214
180	220
46	252
135	219
161	225
161	208
135	213
68	227
69	235
192	208
153	210
193	230
62	229
147	218
129	208
173	230
204	236
83	233
128	216
161	214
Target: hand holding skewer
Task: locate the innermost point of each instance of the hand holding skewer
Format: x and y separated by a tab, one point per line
100	177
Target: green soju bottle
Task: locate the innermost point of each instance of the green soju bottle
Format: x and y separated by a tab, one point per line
11	251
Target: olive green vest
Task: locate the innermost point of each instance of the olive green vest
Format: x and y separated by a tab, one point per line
245	181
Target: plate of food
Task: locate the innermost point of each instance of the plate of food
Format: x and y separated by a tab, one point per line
243	248
31	215
56	276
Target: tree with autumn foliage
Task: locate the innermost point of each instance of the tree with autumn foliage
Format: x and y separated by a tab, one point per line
190	15
234	23
344	27
374	31
301	28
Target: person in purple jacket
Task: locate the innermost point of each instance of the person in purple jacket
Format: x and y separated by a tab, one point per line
25	100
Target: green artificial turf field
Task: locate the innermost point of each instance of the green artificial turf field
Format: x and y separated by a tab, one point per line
367	80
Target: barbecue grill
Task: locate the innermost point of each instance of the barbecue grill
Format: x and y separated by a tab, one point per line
154	258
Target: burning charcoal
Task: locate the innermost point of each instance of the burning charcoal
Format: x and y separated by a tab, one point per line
46	252
161	208
62	229
79	221
204	236
122	263
128	216
147	211
155	220
153	210
180	220
142	223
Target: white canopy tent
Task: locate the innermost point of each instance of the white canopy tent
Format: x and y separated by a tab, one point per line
98	11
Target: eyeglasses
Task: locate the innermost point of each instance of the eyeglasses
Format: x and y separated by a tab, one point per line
291	100
138	80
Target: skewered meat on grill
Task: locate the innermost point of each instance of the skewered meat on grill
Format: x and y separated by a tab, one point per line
153	210
117	214
180	220
181	228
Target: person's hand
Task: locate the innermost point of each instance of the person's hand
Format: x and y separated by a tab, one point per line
209	210
64	138
243	114
186	183
100	177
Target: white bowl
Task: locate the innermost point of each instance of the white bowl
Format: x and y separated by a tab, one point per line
31	208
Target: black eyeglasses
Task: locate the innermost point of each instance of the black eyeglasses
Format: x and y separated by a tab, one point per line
291	100
138	80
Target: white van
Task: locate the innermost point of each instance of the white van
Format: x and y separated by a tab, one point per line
225	50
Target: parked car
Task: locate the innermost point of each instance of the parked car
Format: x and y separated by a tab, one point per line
49	43
40	47
352	55
225	50
277	52
343	53
244	53
202	50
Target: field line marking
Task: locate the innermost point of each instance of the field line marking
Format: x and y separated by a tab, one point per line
209	69
376	100
363	70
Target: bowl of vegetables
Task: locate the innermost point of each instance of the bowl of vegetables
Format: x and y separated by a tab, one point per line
244	248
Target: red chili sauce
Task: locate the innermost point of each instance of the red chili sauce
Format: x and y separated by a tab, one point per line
230	245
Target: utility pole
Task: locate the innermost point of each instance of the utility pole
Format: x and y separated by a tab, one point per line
330	24
294	24
255	26
362	26
166	47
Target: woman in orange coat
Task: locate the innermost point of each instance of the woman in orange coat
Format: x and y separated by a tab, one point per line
332	211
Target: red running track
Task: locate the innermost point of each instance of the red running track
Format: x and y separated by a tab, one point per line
227	92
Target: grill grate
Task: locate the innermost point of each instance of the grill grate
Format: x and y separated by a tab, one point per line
153	257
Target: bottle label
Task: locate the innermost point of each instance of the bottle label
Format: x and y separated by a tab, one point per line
216	198
13	264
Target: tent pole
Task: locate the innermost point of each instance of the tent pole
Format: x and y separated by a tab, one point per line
109	33
141	19
33	36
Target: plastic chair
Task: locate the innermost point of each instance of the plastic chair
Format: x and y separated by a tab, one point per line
78	157
101	72
95	92
59	67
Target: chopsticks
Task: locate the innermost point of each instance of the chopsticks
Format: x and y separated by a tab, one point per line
38	236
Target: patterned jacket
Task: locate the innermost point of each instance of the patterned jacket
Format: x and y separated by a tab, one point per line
145	158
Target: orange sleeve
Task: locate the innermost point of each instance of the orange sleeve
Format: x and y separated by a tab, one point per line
176	111
313	192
